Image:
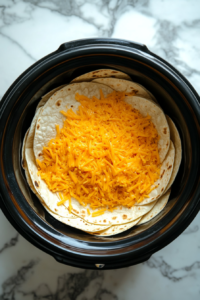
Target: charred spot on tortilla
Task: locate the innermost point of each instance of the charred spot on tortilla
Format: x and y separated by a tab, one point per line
69	89
165	130
36	184
40	154
114	218
124	217
58	103
55	209
161	176
169	167
104	221
114	72
38	126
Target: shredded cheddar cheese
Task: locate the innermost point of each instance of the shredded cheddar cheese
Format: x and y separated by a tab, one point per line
106	154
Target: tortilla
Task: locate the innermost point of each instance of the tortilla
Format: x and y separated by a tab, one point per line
40	186
165	175
158	207
150	94
175	137
45	128
23	161
158	118
77	222
46	97
121	85
101	73
116	229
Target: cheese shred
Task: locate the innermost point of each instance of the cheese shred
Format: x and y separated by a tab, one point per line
106	154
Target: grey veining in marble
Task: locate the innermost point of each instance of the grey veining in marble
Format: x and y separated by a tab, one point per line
29	30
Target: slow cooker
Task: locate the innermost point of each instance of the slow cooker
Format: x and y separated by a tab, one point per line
177	98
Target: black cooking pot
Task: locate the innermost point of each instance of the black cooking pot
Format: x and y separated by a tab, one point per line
177	98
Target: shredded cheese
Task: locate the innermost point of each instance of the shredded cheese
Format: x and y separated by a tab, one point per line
106	154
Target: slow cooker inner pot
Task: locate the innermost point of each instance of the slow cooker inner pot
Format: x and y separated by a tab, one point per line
168	96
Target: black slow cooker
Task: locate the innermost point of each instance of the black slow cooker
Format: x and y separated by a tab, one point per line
177	98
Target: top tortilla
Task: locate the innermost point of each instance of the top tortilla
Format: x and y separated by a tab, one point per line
45	130
101	73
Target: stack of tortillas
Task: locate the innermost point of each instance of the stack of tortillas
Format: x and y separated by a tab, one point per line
43	129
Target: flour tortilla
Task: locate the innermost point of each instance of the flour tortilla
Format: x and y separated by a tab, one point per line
101	73
121	215
121	85
116	229
158	118
23	161
62	100
45	130
175	137
158	207
40	186
150	94
165	175
46	97
77	222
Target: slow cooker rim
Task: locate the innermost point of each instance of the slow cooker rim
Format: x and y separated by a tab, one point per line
28	69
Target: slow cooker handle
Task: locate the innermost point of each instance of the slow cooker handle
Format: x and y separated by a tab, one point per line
101	41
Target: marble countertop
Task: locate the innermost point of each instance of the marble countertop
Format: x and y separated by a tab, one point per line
29	30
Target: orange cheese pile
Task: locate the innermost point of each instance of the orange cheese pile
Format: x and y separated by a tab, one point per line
105	155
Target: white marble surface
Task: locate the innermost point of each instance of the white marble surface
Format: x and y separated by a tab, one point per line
30	29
